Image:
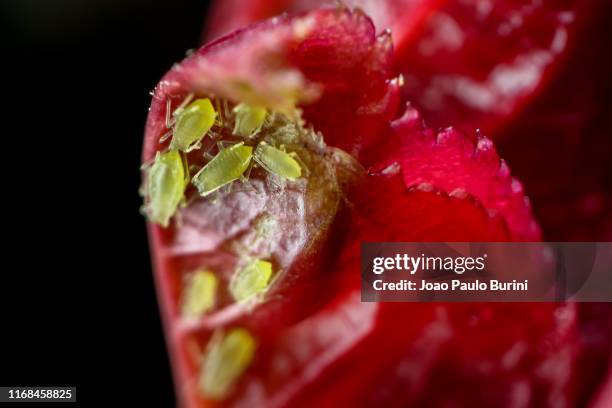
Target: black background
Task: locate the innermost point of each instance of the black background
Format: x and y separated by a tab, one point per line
77	301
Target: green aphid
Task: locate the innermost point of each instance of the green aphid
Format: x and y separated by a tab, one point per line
227	166
251	280
227	358
277	161
165	186
192	124
249	119
199	293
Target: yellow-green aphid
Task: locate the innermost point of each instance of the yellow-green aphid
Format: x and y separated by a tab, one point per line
249	119
199	293
251	280
192	124
227	166
277	161
165	186
227	358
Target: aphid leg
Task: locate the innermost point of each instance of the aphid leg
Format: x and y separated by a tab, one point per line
150	162
272	177
223	144
186	169
297	158
147	164
226	109
246	177
247	174
296	117
178	219
275	278
270	118
214	135
276	181
196	146
191	199
207	154
221	115
168	114
215	197
229	188
183	104
165	136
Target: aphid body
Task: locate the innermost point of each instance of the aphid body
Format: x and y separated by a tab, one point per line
227	358
251	280
166	184
249	119
277	161
227	166
192	124
199	293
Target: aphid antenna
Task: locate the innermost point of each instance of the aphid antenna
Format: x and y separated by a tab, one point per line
165	136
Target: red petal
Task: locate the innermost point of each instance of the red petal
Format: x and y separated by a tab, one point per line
470	63
385	210
368	354
331	56
476	63
460	164
403	17
560	145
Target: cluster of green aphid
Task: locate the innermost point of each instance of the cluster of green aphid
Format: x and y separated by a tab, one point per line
228	355
168	176
248	283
